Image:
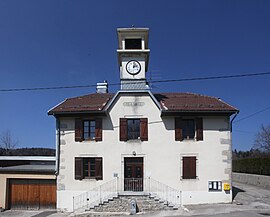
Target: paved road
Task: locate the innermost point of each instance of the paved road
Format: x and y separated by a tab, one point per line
249	201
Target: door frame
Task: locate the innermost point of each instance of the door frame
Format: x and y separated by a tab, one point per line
122	176
133	183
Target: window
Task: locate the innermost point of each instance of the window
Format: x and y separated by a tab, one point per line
133	43
189	167
88	168
188	129
131	129
88	129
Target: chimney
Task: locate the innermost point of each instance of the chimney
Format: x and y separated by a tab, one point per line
102	87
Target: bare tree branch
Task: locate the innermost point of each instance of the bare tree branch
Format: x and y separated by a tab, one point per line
7	141
262	140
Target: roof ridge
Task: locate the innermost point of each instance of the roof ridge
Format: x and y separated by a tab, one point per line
90	94
197	94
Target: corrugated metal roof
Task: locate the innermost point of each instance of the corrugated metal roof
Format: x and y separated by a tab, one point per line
29	168
29	158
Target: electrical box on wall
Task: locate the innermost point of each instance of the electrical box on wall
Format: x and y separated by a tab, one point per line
226	186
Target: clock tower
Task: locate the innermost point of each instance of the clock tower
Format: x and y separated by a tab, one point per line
133	57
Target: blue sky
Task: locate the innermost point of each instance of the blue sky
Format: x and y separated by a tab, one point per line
46	43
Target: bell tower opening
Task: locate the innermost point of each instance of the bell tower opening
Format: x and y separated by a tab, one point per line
133	43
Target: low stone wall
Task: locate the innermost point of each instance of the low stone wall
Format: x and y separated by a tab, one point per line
251	179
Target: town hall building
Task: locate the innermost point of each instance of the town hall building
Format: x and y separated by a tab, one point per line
174	146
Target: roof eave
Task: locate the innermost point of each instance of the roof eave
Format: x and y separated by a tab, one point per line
72	113
201	112
45	172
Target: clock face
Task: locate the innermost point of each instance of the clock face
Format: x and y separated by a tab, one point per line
133	67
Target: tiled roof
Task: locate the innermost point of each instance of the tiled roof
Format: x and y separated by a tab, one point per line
175	102
88	103
192	102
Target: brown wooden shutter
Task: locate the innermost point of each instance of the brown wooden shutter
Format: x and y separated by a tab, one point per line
199	129
78	168
144	129
98	168
78	130
98	130
178	129
123	129
189	168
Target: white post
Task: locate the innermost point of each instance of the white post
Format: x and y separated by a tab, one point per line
73	205
149	188
100	199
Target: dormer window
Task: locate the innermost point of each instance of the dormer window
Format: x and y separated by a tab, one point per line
133	43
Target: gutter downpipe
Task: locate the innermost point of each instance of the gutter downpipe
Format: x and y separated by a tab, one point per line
57	146
235	114
230	160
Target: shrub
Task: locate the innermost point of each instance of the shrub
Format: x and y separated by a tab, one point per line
260	166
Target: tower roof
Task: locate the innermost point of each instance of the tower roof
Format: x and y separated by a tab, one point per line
123	33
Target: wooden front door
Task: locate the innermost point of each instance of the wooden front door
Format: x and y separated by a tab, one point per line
32	194
133	174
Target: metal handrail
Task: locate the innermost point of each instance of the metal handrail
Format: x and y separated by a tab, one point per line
154	188
96	195
170	195
133	184
109	189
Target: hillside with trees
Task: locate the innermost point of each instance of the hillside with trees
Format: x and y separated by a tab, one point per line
27	152
257	159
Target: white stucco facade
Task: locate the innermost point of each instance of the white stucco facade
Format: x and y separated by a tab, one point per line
162	155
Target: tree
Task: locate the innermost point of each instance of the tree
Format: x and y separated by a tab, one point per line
262	140
7	141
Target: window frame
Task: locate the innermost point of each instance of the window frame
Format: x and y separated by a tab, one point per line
137	131
89	170
185	121
183	178
83	170
97	130
123	129
179	125
89	138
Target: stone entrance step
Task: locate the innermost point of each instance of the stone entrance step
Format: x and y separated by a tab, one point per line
122	203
